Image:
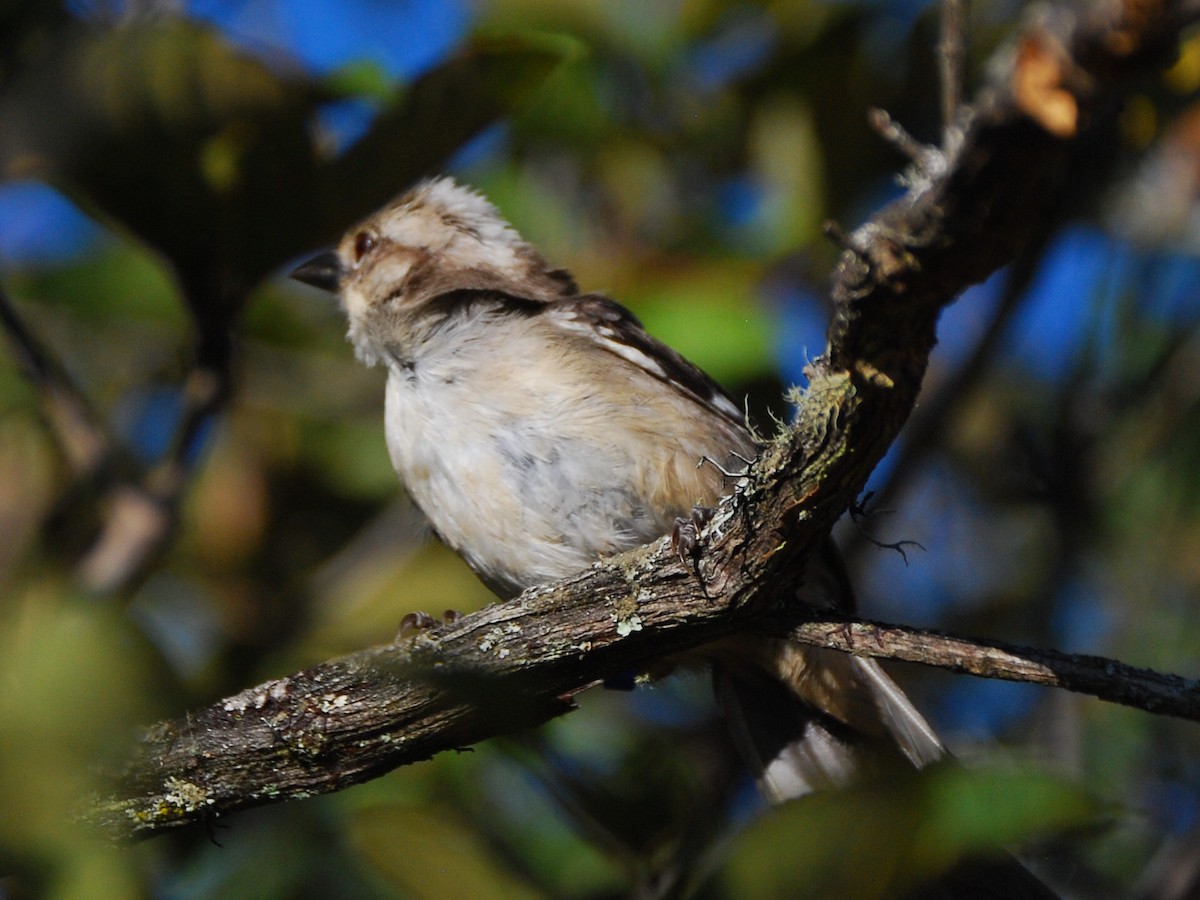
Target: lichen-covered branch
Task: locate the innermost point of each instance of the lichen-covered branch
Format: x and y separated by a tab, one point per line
513	665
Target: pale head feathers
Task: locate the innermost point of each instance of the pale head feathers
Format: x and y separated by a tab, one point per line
442	216
435	240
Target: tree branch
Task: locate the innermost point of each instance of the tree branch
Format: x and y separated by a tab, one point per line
140	503
517	664
142	509
84	441
1157	692
512	666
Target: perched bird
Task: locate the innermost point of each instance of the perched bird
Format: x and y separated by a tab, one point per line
541	429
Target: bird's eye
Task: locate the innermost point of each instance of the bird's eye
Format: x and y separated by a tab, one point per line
364	243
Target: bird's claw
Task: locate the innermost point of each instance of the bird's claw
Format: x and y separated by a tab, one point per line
685	536
416	622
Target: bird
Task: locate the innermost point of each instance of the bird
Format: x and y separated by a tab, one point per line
540	429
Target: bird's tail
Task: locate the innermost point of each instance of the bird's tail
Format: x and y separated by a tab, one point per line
795	743
807	719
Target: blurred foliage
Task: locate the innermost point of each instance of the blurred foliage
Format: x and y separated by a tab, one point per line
241	185
896	832
680	157
75	683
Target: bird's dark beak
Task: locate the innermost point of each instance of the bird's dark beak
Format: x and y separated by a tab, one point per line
323	271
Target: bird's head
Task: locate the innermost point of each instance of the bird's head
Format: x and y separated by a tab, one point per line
438	240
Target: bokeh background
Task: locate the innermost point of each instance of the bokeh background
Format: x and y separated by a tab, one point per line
164	162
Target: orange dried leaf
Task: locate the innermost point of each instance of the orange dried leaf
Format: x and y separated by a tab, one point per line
1038	88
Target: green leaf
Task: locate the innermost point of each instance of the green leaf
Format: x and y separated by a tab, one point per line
880	839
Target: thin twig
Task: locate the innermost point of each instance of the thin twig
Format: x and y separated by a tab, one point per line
837	234
75	424
1108	679
895	134
952	53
